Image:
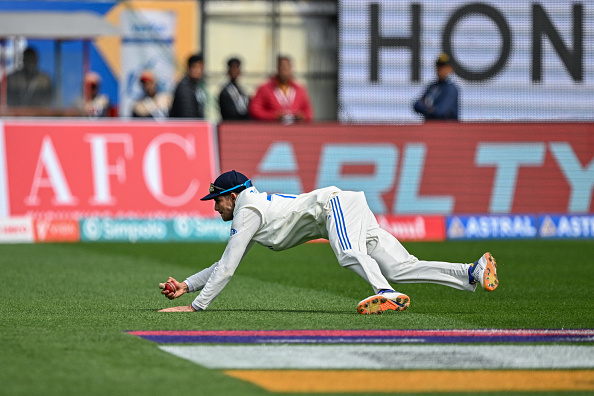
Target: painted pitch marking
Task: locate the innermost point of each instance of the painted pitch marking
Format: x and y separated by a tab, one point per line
404	368
418	381
386	357
367	336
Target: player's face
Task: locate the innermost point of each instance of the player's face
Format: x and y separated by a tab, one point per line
225	205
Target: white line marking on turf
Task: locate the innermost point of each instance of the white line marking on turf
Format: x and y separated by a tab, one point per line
387	357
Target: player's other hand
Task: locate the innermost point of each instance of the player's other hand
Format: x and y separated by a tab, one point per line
183	308
181	288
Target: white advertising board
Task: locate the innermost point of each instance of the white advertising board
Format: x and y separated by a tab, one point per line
16	229
514	60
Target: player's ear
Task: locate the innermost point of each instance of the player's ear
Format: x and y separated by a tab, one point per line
233	197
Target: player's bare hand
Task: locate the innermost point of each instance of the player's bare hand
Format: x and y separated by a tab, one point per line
182	308
172	288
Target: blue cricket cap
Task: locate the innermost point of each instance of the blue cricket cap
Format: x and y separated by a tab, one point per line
228	182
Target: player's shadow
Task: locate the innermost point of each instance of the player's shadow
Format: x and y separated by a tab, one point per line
283	311
300	311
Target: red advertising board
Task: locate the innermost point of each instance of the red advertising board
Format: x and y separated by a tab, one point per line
434	168
414	228
67	169
410	228
56	230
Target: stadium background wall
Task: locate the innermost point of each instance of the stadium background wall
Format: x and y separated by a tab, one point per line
141	181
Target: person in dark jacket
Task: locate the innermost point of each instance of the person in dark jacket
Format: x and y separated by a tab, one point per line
29	86
440	100
233	102
189	99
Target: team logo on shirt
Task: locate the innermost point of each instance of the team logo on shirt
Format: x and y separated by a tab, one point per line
233	231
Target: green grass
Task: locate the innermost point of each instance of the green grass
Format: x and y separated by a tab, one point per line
65	307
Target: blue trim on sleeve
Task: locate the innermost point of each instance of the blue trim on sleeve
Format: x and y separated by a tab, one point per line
269	197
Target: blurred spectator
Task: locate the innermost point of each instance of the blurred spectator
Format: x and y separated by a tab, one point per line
29	86
152	104
190	95
93	104
440	100
281	98
233	103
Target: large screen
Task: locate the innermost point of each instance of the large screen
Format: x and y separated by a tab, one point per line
513	60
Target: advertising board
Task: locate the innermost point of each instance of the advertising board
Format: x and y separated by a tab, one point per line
179	229
56	230
68	169
492	227
566	226
513	59
414	228
430	169
17	229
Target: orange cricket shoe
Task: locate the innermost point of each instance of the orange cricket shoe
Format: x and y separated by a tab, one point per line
383	301
484	270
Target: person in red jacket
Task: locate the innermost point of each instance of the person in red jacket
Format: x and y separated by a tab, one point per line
280	98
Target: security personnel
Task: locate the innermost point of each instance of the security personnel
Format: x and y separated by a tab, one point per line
440	100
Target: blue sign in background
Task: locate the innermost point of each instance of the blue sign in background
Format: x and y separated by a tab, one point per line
548	226
566	226
491	227
194	229
190	229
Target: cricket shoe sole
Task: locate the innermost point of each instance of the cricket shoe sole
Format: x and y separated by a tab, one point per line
486	272
378	304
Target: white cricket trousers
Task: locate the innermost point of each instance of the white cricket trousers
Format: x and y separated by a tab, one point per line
376	255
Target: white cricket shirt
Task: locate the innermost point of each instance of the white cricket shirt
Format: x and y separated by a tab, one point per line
277	221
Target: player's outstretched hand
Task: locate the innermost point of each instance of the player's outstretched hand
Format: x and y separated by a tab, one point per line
172	288
183	308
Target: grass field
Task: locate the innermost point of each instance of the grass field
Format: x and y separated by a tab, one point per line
65	307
